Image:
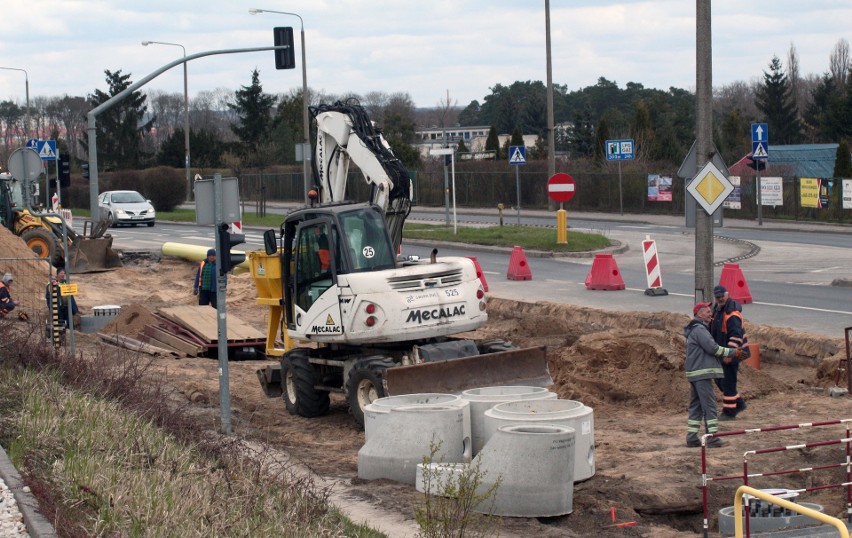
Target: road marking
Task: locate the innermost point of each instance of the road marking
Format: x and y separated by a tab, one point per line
809	308
828	269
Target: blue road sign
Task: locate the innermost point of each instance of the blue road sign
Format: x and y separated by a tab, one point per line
759	132
619	150
32	143
517	155
759	150
47	150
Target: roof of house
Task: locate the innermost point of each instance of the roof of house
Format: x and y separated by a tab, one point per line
801	160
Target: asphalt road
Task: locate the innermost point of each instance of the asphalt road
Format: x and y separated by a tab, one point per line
788	268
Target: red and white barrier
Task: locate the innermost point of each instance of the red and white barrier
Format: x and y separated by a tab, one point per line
652	268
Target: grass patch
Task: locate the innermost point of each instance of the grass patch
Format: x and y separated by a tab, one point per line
529	237
106	455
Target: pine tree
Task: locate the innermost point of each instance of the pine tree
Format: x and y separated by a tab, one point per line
119	127
775	100
492	143
254	110
599	157
843	162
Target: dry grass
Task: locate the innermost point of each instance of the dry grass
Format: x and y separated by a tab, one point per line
107	455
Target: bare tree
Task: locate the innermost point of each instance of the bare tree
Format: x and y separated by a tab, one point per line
839	63
70	115
795	79
448	112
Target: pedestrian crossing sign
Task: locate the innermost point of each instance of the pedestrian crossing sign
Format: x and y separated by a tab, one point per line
517	155
47	150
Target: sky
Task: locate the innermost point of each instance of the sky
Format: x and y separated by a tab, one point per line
436	51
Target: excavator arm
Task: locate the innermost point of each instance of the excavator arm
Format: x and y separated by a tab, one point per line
345	134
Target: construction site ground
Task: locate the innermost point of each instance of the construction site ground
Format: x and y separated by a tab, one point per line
627	366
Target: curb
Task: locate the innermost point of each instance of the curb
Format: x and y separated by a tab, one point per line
37	525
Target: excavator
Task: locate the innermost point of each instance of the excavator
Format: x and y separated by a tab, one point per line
354	316
88	252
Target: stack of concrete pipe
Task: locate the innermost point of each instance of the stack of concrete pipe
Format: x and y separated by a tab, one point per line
534	443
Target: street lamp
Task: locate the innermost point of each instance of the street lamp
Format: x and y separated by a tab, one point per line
185	115
306	146
27	79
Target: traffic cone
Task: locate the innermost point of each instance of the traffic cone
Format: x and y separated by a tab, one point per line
479	274
519	269
734	281
604	274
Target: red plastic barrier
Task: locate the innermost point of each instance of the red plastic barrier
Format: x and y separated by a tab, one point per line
734	281
479	274
604	274
519	269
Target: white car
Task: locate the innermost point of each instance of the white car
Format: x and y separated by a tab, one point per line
126	207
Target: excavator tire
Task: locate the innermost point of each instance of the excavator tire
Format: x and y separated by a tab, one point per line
297	386
43	243
365	384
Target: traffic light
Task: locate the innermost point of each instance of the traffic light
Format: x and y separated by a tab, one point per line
756	164
64	171
226	240
284	58
85	168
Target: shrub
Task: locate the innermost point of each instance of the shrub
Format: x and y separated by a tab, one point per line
164	186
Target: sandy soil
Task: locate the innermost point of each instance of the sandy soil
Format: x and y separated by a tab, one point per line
627	366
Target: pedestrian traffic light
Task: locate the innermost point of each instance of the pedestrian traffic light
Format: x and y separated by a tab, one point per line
85	168
284	58
64	171
225	241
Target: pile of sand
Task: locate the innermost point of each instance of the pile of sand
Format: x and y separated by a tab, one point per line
31	275
131	321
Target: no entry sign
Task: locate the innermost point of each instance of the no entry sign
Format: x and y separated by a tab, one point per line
560	187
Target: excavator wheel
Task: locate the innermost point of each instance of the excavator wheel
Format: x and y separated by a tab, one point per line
43	243
297	386
365	384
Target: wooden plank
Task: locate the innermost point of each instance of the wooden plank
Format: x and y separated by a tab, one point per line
201	321
133	344
172	340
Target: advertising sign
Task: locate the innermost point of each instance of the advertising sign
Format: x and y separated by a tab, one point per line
659	188
816	192
847	193
771	191
734	200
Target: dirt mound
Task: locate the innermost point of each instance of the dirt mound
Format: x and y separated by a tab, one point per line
131	321
31	274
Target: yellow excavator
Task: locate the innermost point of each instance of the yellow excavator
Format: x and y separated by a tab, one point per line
88	252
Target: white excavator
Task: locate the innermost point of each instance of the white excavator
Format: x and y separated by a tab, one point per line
356	318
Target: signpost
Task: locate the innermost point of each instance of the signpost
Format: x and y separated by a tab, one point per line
560	188
620	150
517	157
452	154
759	151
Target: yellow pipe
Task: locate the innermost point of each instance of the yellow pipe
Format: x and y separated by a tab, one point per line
798	508
197	253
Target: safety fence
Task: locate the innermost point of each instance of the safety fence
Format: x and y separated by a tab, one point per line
846	441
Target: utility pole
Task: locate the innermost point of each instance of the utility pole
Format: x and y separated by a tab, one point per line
703	146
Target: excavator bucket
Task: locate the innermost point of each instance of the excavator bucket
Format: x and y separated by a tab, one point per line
92	255
527	367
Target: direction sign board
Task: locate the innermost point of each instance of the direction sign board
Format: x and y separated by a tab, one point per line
560	187
46	150
710	187
619	150
517	155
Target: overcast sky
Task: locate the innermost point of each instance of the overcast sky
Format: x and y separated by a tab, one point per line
425	48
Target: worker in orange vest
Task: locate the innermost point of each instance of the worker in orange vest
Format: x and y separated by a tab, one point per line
727	330
205	280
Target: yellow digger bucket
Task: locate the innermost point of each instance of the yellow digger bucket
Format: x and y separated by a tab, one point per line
526	367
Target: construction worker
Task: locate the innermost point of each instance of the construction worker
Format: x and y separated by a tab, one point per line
6	302
727	330
703	365
205	280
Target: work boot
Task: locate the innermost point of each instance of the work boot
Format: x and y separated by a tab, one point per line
693	443
716	442
724	416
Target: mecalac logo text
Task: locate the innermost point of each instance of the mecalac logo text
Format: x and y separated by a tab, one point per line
434	314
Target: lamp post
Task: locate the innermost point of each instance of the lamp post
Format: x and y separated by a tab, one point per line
27	80
185	115
306	125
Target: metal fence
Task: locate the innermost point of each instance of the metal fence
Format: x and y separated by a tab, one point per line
595	191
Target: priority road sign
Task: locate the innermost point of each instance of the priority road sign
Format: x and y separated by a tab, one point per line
560	187
710	187
47	150
517	155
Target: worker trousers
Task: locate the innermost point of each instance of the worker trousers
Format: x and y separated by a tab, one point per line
702	408
207	297
732	402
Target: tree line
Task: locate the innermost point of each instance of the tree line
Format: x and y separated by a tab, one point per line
251	128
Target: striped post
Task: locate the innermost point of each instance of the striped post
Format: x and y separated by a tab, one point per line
652	268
